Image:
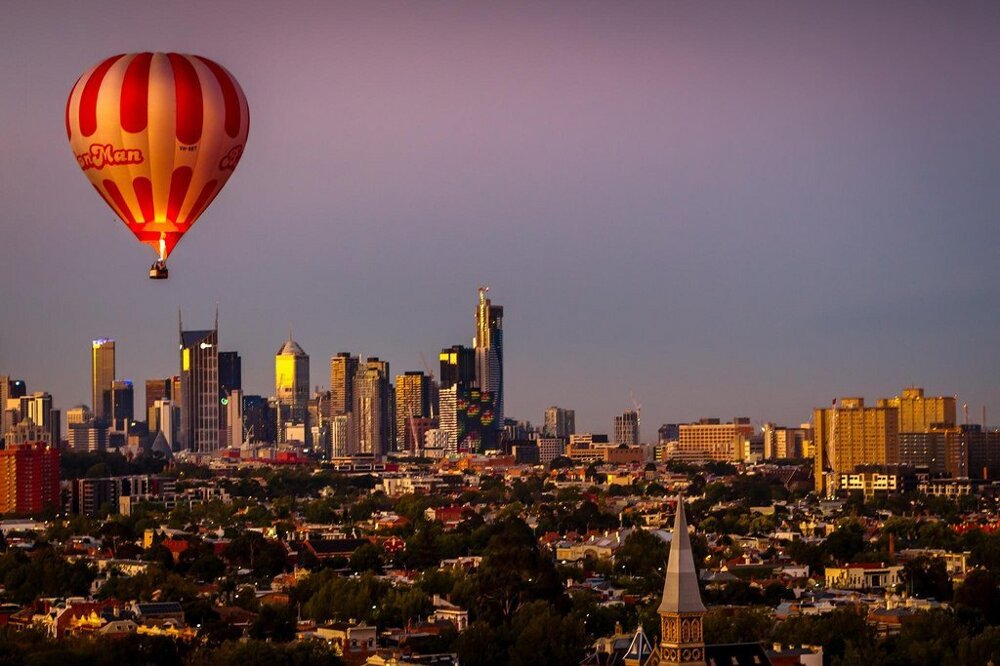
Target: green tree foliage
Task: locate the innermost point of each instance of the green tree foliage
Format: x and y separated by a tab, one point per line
740	625
927	577
641	560
43	574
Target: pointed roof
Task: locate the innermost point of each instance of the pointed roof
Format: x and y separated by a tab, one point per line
291	348
161	446
680	586
640	648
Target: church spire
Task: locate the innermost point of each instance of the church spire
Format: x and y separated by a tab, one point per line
680	585
681	610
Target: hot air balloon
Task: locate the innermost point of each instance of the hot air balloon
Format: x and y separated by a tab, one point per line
157	135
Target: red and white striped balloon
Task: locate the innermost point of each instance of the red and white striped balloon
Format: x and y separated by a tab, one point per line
158	135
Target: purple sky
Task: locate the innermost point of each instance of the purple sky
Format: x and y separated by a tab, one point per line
731	209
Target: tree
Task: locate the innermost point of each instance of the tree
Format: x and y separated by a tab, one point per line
542	637
642	557
927	577
367	557
739	625
274	623
845	542
981	591
513	571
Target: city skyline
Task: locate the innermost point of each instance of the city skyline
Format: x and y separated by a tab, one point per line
673	206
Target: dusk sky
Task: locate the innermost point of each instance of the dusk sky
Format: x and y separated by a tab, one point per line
731	209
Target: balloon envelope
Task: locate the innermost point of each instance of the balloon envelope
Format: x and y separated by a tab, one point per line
158	135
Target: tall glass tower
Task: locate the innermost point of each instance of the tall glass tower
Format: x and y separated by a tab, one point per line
488	344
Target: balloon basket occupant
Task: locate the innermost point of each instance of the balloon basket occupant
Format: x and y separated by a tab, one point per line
157	135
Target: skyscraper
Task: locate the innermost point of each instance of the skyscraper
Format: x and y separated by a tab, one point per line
37	407
371	423
122	404
102	373
200	390
230	372
458	366
343	368
156	389
413	393
291	385
627	428
559	422
489	353
11	390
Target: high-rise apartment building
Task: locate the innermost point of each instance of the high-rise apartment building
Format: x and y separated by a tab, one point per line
291	386
200	390
371	415
550	448
29	478
559	422
343	368
340	434
489	353
627	429
849	434
710	440
102	374
919	413
941	449
413	401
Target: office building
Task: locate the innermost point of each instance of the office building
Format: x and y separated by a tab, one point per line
371	422
167	420
230	372
784	443
413	401
37	408
559	422
849	434
259	420
458	366
156	389
918	413
122	404
343	368
88	436
78	414
291	382
489	354
11	391
668	432
199	357
29	478
710	440
102	374
550	448
627	429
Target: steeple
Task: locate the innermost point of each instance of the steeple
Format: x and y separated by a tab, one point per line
681	610
680	585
